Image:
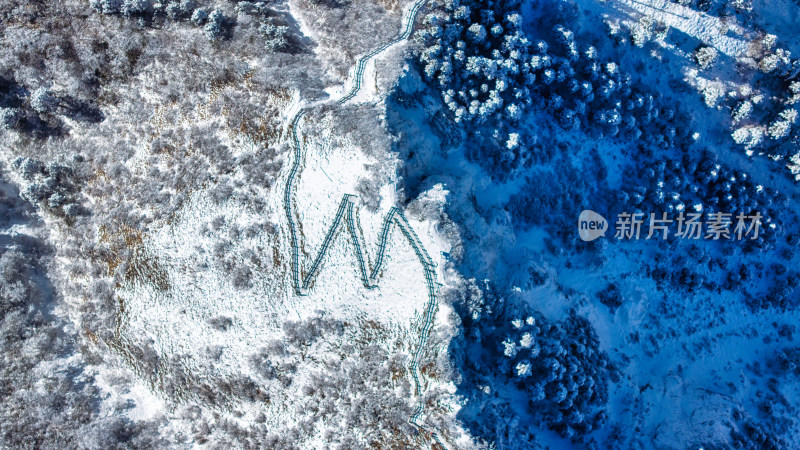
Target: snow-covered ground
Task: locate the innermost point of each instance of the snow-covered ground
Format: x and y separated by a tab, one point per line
179	314
225	154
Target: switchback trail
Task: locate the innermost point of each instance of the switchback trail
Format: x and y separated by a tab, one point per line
370	271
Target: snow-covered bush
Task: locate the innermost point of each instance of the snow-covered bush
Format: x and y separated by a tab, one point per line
200	16
277	36
705	56
43	101
789	361
781	127
354	393
9	118
696	185
484	74
560	367
106	6
181	11
63	408
53	187
504	71
741	111
35	113
549	197
611	297
136	7
214	26
509	350
751	435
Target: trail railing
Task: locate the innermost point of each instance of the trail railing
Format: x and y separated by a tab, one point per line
369	273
